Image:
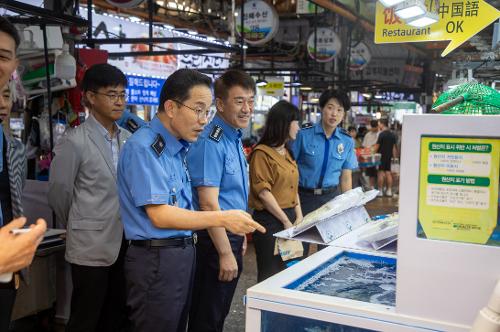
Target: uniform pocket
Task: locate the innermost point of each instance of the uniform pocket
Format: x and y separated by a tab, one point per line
87	225
230	166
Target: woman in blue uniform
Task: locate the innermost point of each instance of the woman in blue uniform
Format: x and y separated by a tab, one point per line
325	154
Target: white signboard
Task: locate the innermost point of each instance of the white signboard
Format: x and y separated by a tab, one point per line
260	20
360	56
327	42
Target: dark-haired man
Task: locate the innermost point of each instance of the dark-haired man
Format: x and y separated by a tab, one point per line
83	194
156	203
218	169
325	154
16	251
386	146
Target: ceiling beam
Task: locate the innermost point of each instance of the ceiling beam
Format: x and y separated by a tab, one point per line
368	26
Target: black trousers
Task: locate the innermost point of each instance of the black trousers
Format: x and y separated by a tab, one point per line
98	299
159	283
7	299
211	297
310	202
268	264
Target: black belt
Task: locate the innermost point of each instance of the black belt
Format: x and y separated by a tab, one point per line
173	242
318	191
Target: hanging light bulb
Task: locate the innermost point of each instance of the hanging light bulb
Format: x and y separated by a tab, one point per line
65	65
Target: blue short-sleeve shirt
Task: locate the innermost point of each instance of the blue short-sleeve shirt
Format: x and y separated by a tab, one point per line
152	170
130	121
310	149
217	159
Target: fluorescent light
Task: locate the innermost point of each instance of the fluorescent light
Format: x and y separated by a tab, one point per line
423	20
410	8
192	32
160	3
261	83
305	88
391	3
367	95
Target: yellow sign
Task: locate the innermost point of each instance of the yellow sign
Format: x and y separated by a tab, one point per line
458	195
274	87
459	20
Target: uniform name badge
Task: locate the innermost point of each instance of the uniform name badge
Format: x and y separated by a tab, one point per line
340	148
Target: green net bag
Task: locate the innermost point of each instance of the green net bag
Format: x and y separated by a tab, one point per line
469	98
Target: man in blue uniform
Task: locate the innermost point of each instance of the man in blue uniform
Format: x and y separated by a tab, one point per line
130	121
155	201
325	154
218	169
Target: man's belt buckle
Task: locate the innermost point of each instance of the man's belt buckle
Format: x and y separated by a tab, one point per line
195	238
318	191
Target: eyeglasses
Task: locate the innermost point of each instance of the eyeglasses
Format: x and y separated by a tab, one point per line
203	114
113	97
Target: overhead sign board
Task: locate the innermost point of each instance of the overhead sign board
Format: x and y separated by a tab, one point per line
275	87
143	90
323	45
260	21
459	20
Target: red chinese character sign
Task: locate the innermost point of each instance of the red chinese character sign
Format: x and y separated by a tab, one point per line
458	21
327	44
260	22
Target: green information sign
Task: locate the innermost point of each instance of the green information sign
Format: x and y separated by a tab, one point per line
459	184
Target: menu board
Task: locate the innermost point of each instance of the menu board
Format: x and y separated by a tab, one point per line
458	189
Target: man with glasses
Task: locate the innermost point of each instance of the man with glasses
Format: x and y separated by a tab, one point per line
156	202
219	174
325	154
83	193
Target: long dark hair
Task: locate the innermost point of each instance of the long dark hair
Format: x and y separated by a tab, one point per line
277	127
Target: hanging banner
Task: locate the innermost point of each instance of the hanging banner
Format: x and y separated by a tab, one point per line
458	21
275	87
458	192
260	20
360	56
143	90
328	45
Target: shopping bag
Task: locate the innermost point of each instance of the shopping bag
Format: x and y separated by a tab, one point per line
395	165
288	249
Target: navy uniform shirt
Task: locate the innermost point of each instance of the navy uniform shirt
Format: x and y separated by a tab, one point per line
130	121
320	159
216	159
152	170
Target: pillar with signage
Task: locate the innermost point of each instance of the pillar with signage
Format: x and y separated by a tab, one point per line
449	232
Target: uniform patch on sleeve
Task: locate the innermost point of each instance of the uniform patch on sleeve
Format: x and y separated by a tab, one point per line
132	125
158	145
307	125
216	133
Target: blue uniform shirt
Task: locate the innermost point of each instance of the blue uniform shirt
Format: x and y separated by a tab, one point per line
130	121
216	159
317	156
152	170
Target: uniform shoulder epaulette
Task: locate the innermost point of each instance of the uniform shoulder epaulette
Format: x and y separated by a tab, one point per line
132	125
216	133
158	145
307	125
345	132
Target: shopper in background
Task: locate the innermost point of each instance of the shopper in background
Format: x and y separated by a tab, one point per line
325	154
156	199
386	146
83	194
274	183
219	174
369	141
354	134
16	251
